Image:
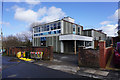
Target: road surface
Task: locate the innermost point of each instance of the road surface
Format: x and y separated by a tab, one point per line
16	69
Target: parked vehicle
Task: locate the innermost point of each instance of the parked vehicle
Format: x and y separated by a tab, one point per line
117	55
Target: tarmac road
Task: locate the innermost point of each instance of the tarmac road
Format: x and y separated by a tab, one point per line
24	69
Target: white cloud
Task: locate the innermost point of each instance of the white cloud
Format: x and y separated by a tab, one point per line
42	15
110	27
115	16
105	22
42	11
110	30
32	2
53	14
25	15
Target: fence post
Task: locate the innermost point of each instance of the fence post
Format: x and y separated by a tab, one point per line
80	51
50	52
102	46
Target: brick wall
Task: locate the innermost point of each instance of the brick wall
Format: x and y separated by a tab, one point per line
105	53
47	51
95	58
88	57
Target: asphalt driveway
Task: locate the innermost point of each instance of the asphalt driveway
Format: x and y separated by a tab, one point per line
70	59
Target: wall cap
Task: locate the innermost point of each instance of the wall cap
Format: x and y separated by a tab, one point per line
101	41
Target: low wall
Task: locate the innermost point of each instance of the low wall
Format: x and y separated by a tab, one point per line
88	57
47	51
95	58
105	53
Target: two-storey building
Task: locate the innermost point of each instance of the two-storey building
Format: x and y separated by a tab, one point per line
64	35
96	35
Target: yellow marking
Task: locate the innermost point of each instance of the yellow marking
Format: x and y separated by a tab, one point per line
25	59
108	64
109	61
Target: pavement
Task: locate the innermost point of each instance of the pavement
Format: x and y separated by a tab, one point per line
69	63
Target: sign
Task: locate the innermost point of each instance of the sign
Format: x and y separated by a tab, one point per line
36	55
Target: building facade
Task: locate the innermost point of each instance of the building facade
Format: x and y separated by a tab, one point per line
96	35
64	35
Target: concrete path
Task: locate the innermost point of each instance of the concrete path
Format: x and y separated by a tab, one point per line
68	63
63	62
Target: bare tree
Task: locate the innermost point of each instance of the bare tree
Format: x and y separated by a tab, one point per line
10	41
25	38
35	24
22	39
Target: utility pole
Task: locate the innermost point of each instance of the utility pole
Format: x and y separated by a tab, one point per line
1	40
1	27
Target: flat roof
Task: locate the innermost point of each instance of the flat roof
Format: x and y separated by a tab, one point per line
94	30
57	21
47	23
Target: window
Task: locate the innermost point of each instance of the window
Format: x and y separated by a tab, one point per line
89	33
59	25
78	30
55	26
41	33
47	27
43	38
58	31
36	29
35	34
88	43
41	28
49	32
51	27
45	33
54	32
73	27
85	33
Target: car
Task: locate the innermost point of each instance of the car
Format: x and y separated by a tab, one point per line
117	55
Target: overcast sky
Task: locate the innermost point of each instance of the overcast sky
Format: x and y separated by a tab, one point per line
17	16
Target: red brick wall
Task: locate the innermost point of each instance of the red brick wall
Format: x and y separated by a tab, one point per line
102	47
105	53
47	51
88	57
95	58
